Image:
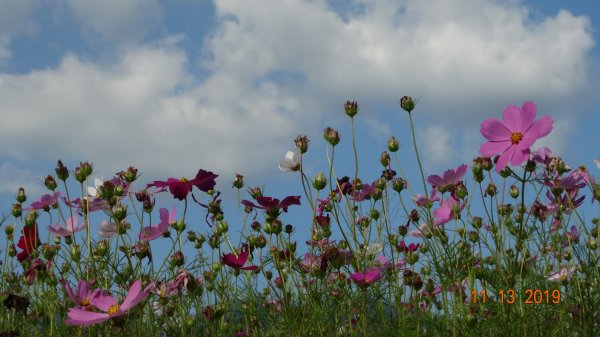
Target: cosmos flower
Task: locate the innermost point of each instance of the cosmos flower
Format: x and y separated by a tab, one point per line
107	229
366	278
152	232
237	262
84	295
71	227
449	178
562	275
291	161
512	137
28	242
597	162
449	209
45	202
268	203
423	201
180	188
109	306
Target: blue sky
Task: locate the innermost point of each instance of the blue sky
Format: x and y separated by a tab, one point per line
173	86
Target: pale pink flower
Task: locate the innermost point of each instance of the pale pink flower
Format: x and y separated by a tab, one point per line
562	275
449	178
71	227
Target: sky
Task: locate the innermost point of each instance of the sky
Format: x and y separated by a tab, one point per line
224	85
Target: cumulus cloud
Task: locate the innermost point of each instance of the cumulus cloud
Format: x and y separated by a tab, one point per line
436	144
118	20
274	74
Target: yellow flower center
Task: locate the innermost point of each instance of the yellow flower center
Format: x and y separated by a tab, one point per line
516	137
115	308
183	180
85	302
367	280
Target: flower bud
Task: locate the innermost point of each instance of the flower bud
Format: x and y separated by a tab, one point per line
130	175
191	236
120	212
351	108
473	236
222	227
17	210
514	192
414	216
332	136
319	181
407	103
374	214
392	144
31	218
12	250
384	159
301	142
491	190
238	181
398	184
477	222
177	259
377	194
461	190
289	229
61	171
255	192
592	244
21	197
50	183
75	253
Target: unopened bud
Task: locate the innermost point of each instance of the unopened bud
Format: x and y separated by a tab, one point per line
50	183
392	144
319	181
384	159
21	197
332	136
514	191
407	103
238	181
301	142
351	108
61	171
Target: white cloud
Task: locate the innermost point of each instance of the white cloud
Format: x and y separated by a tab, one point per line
378	129
118	20
557	140
273	74
436	144
14	176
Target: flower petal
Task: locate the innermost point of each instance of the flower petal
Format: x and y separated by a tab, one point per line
490	149
495	130
85	318
512	117
104	302
540	128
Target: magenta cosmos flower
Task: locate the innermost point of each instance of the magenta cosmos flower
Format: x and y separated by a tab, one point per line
71	227
45	202
512	137
237	262
449	178
152	232
84	295
28	242
449	210
366	278
180	188
109	306
273	204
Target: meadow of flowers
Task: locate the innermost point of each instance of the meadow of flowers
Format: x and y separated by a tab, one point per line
496	247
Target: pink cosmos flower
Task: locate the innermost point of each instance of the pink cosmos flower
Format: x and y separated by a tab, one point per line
237	262
84	295
180	188
542	155
71	227
311	263
449	209
422	231
109	306
107	229
424	201
449	178
366	278
45	202
152	232
269	204
562	275
512	137
388	265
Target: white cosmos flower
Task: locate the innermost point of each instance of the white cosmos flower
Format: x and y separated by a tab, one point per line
291	161
374	248
107	229
93	191
597	161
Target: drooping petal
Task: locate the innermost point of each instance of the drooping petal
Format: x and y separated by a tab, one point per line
520	155
505	158
82	317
